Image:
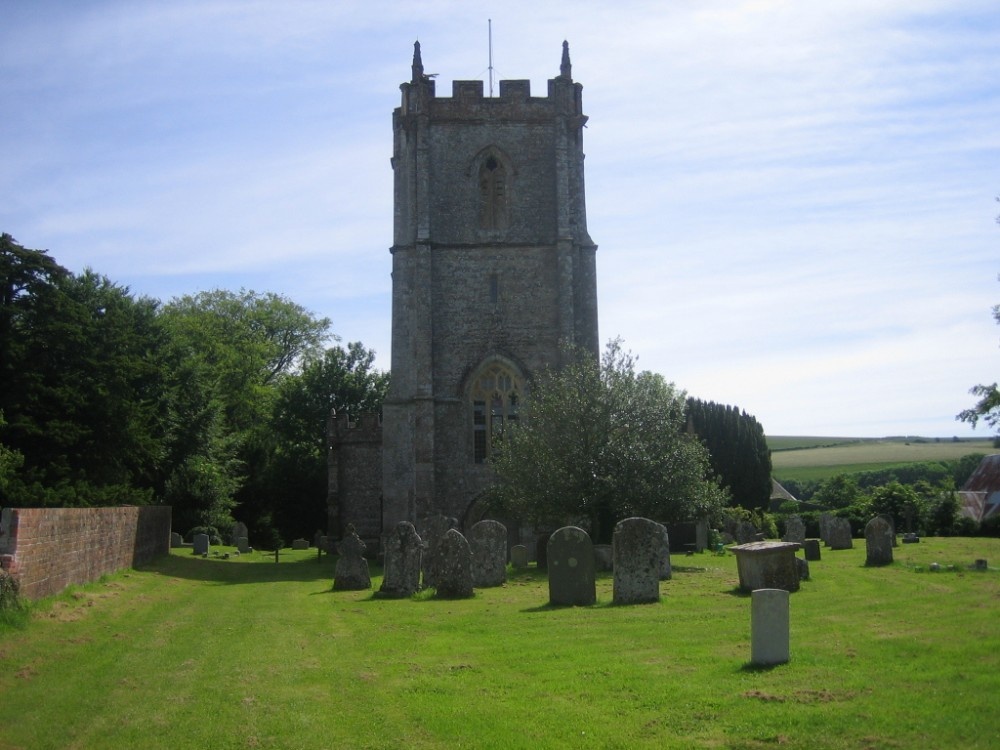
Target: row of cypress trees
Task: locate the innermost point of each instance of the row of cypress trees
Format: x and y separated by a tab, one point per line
738	450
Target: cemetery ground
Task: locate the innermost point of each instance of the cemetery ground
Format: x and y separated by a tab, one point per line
246	653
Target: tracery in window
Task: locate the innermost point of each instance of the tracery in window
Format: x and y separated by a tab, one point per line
496	402
492	194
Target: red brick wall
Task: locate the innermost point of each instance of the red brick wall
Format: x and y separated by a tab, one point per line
49	549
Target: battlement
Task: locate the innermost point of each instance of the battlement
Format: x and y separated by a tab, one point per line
344	428
467	100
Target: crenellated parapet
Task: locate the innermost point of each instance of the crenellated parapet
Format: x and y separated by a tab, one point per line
515	102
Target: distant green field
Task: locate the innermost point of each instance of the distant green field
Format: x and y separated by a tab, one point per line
811	458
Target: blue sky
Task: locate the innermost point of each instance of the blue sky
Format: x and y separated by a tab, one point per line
794	201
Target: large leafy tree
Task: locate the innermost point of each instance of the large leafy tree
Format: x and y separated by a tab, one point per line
601	441
82	384
231	350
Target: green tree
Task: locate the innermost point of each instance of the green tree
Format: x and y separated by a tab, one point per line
340	379
839	491
600	442
82	384
899	502
230	352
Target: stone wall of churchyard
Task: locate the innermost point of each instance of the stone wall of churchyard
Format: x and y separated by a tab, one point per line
48	549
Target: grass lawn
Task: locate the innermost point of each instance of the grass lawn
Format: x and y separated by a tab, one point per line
211	653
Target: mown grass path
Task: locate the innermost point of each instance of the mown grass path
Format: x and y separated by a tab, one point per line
241	654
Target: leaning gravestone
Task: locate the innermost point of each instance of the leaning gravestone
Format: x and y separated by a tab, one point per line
403	548
519	557
351	573
570	556
878	542
638	547
200	544
453	567
795	530
488	540
432	530
839	534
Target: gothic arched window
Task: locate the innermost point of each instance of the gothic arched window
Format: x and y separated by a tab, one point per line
493	190
496	402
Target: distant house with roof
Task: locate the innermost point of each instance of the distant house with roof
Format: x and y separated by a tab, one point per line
979	498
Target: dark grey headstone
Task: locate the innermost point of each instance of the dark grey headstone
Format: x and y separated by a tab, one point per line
453	566
570	556
351	572
239	529
795	530
812	549
878	541
488	540
403	551
603	558
839	534
639	546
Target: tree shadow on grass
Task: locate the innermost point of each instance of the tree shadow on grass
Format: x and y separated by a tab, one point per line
260	569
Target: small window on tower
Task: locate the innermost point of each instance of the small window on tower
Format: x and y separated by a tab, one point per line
492	194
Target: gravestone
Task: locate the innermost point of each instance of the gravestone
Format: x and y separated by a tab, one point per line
769	627
432	530
488	540
878	542
980	564
666	572
911	538
201	545
767	565
453	566
795	530
803	567
824	527
811	548
570	555
638	546
319	540
176	540
745	532
603	558
403	551
839	534
300	544
243	545
351	572
541	551
238	530
519	557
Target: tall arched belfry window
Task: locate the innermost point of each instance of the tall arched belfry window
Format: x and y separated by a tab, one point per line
493	189
496	401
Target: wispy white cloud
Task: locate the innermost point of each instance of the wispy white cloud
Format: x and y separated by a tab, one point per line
793	200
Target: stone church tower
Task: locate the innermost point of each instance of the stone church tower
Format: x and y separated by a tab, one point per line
492	268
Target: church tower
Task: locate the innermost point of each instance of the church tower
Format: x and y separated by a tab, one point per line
492	270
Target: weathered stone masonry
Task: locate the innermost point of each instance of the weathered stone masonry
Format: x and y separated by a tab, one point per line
48	549
492	271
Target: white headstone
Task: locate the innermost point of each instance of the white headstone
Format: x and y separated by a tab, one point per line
769	627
